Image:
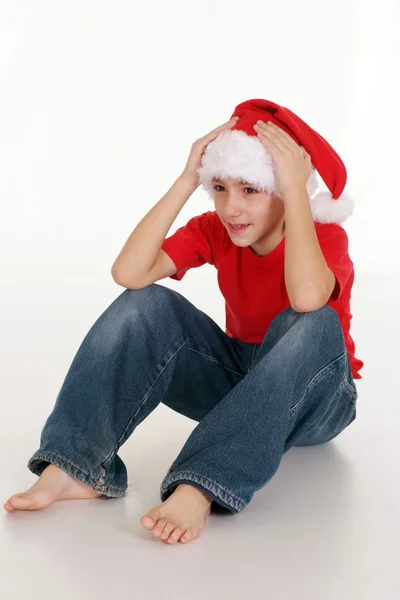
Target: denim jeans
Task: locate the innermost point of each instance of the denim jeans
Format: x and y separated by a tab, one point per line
252	402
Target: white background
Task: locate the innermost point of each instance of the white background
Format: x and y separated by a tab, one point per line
99	105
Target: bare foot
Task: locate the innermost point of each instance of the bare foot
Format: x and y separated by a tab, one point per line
53	484
181	517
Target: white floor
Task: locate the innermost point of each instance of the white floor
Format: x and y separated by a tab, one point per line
325	528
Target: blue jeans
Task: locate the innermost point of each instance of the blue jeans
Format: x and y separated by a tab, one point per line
252	402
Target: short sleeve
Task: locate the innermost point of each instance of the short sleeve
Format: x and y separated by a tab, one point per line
191	245
334	245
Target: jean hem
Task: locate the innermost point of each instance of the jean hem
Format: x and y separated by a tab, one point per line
211	488
36	466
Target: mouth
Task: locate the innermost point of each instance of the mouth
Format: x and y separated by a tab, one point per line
238	229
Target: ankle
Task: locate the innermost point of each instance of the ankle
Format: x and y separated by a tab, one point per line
192	490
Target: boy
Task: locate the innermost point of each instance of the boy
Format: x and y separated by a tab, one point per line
280	375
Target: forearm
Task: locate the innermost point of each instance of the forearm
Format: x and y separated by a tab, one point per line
309	281
142	248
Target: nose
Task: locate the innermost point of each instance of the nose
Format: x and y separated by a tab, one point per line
234	204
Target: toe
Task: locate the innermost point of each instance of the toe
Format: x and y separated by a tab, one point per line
159	528
8	506
148	522
175	535
190	534
21	502
168	529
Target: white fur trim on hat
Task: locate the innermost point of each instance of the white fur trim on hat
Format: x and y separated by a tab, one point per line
236	155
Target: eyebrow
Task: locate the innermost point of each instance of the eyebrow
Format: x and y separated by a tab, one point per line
239	179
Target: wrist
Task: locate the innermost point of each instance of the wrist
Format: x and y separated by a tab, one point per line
294	191
189	181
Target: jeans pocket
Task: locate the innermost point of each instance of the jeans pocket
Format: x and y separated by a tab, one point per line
341	414
347	392
344	411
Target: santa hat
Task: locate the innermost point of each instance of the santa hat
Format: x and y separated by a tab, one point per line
237	153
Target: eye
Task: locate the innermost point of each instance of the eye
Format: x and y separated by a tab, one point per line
246	188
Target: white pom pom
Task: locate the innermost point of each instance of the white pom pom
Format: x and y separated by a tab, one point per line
327	210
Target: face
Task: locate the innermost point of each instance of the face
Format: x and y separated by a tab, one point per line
261	213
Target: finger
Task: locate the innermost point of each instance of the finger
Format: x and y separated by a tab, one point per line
226	125
284	135
231	121
306	156
287	141
270	141
282	139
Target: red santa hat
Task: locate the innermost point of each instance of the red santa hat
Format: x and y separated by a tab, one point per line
237	153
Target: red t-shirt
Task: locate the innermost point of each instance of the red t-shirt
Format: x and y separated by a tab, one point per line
254	287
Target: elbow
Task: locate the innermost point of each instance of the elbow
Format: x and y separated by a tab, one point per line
303	308
312	299
302	305
123	282
115	275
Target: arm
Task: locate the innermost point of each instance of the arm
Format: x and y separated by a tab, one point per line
141	260
141	251
309	280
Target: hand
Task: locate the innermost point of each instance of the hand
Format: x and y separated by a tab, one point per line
292	164
198	148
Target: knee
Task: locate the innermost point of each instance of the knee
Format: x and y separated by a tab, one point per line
325	317
325	320
129	309
149	300
150	294
301	331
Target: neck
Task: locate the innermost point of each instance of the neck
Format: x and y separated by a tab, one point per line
267	244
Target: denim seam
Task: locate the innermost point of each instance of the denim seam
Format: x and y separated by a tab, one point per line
316	424
228	498
317	378
322	373
144	399
253	355
212	359
72	469
350	416
348	398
